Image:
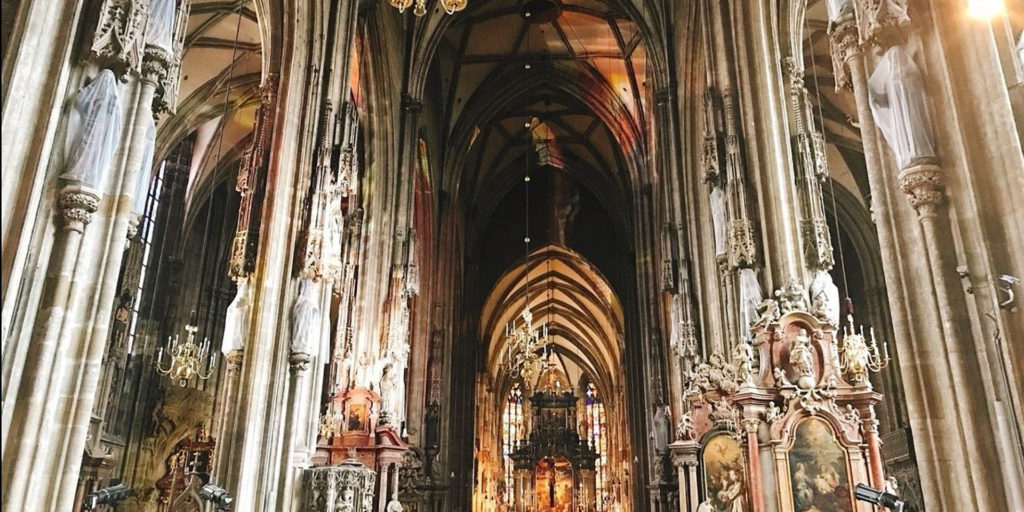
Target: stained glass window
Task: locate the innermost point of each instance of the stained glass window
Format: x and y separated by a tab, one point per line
598	439
513	429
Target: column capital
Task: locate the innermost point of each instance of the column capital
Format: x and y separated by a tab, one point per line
750	425
78	203
844	41
680	460
156	66
922	182
298	362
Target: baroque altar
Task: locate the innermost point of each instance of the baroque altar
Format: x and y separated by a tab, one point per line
787	424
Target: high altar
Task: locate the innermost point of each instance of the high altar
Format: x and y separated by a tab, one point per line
554	467
788	424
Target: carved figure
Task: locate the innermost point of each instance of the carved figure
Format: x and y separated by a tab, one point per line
160	30
743	359
236	319
750	298
768	311
801	358
347	501
824	298
94	127
900	107
331	252
305	317
394	505
718	219
661	431
685	428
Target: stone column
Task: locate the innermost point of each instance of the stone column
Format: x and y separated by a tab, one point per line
224	428
155	67
686	469
78	204
295	432
870	429
750	426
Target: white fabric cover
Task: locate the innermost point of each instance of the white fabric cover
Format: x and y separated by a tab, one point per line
718	218
838	8
160	29
900	107
94	127
822	287
145	169
236	320
305	318
750	297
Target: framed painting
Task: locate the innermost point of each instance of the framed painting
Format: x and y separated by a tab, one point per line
724	475
818	470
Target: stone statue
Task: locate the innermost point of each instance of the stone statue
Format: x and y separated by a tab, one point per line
743	358
145	169
824	298
750	298
347	503
900	107
388	384
334	229
94	127
838	8
368	498
236	319
160	29
432	429
394	505
706	506
768	312
305	318
718	219
661	429
801	358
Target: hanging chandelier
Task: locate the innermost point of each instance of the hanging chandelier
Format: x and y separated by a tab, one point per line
860	354
187	359
450	6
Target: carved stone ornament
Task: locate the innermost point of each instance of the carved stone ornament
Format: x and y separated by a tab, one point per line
884	22
342	488
844	42
684	429
792	297
742	249
299	362
924	188
817	244
77	206
120	34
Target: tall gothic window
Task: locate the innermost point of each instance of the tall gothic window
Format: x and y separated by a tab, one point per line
513	429
598	438
146	226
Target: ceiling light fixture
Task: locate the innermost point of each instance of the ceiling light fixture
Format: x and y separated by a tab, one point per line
420	9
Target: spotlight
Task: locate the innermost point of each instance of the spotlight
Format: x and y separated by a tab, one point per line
985	9
881	498
216	495
106	496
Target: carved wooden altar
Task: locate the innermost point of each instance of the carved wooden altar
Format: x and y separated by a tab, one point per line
788	424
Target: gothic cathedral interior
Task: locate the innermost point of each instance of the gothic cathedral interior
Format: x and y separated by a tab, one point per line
513	255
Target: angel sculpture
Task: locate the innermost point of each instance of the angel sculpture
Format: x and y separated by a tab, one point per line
743	358
768	311
684	430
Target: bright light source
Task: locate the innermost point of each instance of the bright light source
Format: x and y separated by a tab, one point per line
985	9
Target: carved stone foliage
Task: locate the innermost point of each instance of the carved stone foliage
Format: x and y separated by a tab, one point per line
844	42
924	188
77	206
347	487
883	22
119	40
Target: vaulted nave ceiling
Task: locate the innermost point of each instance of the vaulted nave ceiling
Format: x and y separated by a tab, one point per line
219	91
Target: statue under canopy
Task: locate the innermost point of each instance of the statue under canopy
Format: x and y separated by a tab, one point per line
160	29
305	318
750	299
94	127
899	105
236	319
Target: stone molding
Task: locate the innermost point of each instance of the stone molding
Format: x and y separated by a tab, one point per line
77	206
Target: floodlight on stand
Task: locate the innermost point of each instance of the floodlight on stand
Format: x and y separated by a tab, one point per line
218	496
106	496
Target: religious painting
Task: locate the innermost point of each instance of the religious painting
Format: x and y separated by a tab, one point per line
817	469
554	485
356	417
724	478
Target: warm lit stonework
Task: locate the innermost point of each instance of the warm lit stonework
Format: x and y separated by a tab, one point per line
512	255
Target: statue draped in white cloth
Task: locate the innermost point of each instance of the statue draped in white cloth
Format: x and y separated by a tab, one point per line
305	318
825	297
750	298
236	319
900	107
394	505
718	219
838	8
160	29
145	169
94	127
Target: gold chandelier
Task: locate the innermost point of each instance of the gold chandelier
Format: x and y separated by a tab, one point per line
187	359
524	343
450	6
860	354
